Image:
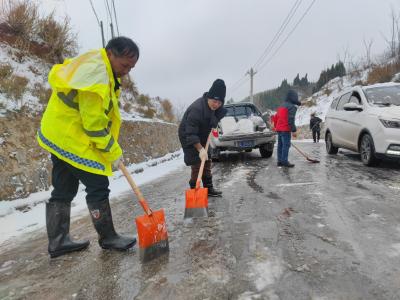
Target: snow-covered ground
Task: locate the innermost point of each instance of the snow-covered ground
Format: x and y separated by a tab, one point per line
26	215
323	101
33	69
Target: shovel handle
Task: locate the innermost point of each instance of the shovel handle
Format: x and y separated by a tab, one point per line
203	162
136	189
301	152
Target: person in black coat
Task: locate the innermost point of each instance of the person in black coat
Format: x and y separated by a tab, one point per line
315	127
198	120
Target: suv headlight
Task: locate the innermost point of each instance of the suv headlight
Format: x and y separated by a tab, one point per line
390	123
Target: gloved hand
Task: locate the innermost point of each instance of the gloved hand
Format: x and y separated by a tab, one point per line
203	154
116	162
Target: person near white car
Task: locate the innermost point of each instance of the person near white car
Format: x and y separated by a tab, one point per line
315	127
284	125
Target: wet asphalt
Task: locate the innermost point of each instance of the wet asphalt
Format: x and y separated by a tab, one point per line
317	231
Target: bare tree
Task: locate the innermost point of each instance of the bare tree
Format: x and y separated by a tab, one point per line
368	46
345	56
179	111
394	34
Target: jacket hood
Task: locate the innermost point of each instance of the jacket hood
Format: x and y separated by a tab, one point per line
292	97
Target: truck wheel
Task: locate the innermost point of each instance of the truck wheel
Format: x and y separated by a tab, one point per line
215	154
265	151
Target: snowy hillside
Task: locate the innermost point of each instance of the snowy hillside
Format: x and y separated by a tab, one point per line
24	86
27	79
322	100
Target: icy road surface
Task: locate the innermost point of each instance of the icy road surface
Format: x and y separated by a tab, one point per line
318	231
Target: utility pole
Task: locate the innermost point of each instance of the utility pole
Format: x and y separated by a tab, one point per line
112	30
251	72
102	34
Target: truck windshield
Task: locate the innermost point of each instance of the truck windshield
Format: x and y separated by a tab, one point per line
241	111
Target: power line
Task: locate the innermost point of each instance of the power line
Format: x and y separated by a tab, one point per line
108	32
115	15
278	34
237	85
108	9
94	11
289	34
270	46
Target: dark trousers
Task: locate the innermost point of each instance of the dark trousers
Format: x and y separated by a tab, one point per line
284	138
206	178
315	135
65	180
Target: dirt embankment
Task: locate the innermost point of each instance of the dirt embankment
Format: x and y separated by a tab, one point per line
25	167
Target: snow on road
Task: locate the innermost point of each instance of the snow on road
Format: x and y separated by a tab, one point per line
28	214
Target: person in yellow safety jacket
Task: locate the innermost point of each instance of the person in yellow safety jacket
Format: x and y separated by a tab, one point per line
80	128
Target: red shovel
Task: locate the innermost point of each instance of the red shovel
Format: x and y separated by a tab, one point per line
197	198
151	227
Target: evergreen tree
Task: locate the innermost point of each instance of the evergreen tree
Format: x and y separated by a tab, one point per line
304	81
296	80
337	70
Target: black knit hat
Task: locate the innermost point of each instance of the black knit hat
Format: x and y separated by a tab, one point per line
217	91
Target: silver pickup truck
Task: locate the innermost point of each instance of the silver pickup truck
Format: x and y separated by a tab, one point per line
242	129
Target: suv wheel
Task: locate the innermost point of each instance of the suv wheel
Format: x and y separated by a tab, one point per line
367	150
265	151
215	154
330	148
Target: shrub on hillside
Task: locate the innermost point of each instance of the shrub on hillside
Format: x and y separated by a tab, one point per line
146	108
383	73
58	36
167	113
21	16
45	36
310	103
128	85
5	70
127	107
41	92
14	86
327	91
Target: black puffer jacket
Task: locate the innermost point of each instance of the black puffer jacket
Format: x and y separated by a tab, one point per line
195	127
315	123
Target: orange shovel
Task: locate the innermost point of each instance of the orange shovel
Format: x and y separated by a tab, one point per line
197	198
151	227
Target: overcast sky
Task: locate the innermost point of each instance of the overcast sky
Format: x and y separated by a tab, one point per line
186	44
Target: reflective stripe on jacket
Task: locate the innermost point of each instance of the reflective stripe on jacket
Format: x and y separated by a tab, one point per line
82	121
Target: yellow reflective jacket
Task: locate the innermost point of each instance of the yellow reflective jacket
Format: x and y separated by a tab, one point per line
82	121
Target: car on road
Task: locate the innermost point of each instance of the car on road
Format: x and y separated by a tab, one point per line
366	119
242	129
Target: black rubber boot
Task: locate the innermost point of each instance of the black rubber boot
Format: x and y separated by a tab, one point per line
212	192
288	165
103	223
57	223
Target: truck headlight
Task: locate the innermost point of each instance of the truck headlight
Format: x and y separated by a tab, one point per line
390	123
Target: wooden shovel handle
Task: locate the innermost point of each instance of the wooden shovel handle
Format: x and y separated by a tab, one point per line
301	152
135	189
203	162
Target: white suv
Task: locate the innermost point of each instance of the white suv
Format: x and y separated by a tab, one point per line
366	119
